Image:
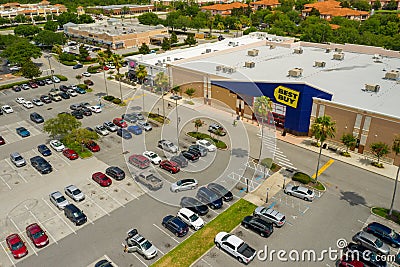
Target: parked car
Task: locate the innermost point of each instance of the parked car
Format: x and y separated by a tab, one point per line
180	160
371	242
37	102
100	129
189	156
153	157
2	141
64	95
365	255
23	132
57	145
44	150
110	126
20	100
75	106
103	263
190	218
385	233
129	118
40	82
33	85
170	166
86	74
300	192
55	96
95	109
116	173
58	200
81	91
64	88
36	117
139	161
88	82
16	246
120	122
139	116
208	197
7	109
17	159
78	114
207	144
25	86
175	225
41	165
55	79
145	125
92	146
136	130
349	262
27	104
36	234
77	66
194	205
46	99
137	243
124	133
149	180
101	179
17	88
221	191
199	149
74	192
216	129
72	93
270	215
75	215
86	111
167	146
184	184
258	225
235	246
70	154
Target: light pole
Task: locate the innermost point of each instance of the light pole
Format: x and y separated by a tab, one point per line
51	70
176	98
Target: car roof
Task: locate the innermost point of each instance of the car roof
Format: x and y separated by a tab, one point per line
56	194
272	212
186	212
380	226
236	241
72	207
367	235
71	187
15	154
33	226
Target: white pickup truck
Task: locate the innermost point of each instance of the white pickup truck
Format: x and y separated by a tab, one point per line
235	246
137	243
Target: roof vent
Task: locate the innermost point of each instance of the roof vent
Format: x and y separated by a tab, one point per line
338	56
296	72
339	50
298	50
272	46
392	75
372	88
218	68
319	64
253	52
208	50
328	50
249	64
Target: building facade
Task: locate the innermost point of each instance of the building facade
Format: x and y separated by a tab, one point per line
331	8
223	9
43	8
121	9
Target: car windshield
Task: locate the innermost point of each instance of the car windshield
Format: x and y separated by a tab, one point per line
18	158
193	218
57	144
242	247
378	243
61	199
37	234
76	192
393	235
226	237
77	214
17	245
206	143
169	144
146	245
153	155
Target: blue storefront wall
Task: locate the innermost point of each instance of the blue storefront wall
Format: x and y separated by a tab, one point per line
297	119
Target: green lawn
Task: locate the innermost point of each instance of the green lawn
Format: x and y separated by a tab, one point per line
196	245
82	151
218	143
384	213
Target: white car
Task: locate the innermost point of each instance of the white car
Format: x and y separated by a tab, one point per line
153	157
15	68
95	109
144	125
110	126
72	92
110	66
20	100
7	109
37	102
190	218
48	81
300	192
28	104
100	129
56	79
58	200
207	144
74	192
86	74
57	145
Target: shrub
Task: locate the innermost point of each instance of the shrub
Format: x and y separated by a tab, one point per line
83	86
218	143
69	63
345	154
116	101
267	162
61	77
301	177
108	98
93	69
376	164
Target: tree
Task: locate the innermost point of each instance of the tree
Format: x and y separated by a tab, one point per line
396	150
144	49
102	59
220	26
117	60
20	51
141	74
80	136
174	38
176	89
49	38
166	44
162	81
379	150
61	125
198	123
190	92
26	30
58	49
262	107
85	19
66	17
20	18
149	18
79	78
29	70
362	5
392	5
190	40
51	26
349	141
376	5
83	53
38	18
322	128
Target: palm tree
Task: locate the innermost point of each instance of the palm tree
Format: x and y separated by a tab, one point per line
262	106
220	27
117	60
198	123
57	49
322	128
141	74
102	59
396	150
162	81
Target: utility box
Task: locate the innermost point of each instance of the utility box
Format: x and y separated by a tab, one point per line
319	64
392	75
249	64
338	56
296	72
372	87
253	52
298	50
339	50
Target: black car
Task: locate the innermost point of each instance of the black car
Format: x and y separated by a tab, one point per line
180	160
90	129
41	165
364	255
208	197
190	156
221	191
45	99
86	111
77	114
77	66
194	205
40	82
195	151
17	89
36	117
103	263
64	88
64	95
175	225
258	225
44	150
385	233
115	172
74	214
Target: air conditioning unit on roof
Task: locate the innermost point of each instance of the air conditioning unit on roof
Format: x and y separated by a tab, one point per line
249	64
392	75
296	72
253	52
298	50
319	64
218	68
338	56
328	50
339	50
272	47
372	88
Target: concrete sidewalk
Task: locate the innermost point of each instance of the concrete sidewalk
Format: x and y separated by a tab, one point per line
272	185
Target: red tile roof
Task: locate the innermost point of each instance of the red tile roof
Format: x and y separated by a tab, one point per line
333	9
224	7
266	3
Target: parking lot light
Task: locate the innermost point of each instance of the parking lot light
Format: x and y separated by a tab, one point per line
176	98
51	70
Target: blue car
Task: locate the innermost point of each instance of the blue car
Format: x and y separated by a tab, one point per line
385	233
23	132
80	90
124	133
44	150
136	130
175	225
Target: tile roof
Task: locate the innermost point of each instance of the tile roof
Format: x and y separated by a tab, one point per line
333	8
224	7
266	3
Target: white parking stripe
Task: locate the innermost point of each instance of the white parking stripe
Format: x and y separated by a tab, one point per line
97	205
104	191
63	158
8	255
36	219
58	215
206	262
162	230
134	197
20	232
137	257
14	168
4	181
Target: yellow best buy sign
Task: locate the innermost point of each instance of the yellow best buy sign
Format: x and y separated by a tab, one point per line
286	96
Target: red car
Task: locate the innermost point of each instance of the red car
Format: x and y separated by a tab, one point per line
70	154
106	68
101	179
92	146
33	85
2	141
37	235
350	263
170	166
120	122
16	246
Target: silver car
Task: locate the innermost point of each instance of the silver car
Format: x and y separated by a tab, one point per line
58	200
144	125
184	184
270	215
100	129
110	126
300	192
74	192
17	159
371	242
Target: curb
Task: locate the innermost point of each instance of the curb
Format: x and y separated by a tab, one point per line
223	149
381	216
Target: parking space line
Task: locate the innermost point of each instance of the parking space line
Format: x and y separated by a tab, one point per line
98	205
8	255
14	168
58	215
203	260
63	159
4	181
104	191
137	257
134	197
20	232
162	230
34	216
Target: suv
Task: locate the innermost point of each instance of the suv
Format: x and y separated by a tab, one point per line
54	96
42	165
115	173
180	160
149	180
167	146
136	242
203	150
75	215
209	197
270	215
139	161
17	159
36	117
216	129
371	242
385	233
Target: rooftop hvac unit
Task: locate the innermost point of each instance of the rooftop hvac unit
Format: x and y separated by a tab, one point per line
249	64
272	47
208	50
218	68
372	87
338	56
376	56
392	75
296	72
339	50
253	52
328	50
319	64
228	69
298	50
168	58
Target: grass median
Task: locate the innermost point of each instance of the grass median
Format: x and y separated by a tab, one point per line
197	244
